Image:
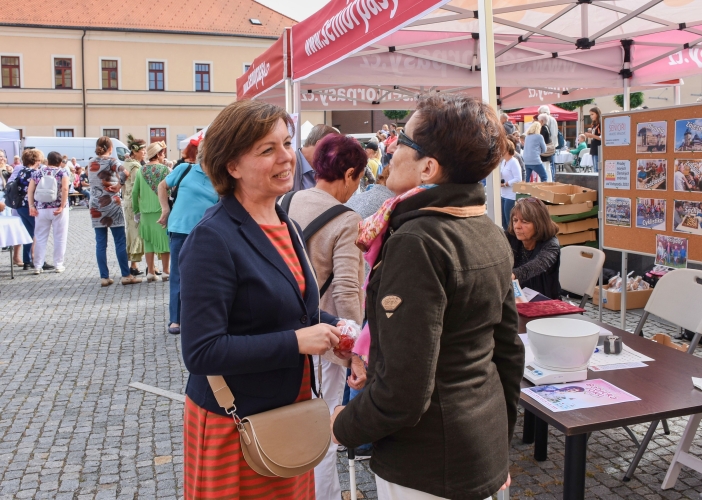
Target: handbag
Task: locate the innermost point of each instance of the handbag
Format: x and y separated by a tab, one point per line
174	190
550	151
286	441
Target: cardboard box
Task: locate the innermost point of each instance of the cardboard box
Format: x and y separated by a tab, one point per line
531	187
577	226
575	238
664	339
569	209
564	193
573	217
613	300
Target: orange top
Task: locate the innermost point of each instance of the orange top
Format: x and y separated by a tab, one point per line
280	237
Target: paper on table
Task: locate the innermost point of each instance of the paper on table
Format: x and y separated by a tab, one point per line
577	395
697	382
529	294
628	355
617	366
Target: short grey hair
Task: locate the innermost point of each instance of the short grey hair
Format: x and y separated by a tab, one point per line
504	116
544	110
543	117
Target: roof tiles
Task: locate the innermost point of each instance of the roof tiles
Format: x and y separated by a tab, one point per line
222	17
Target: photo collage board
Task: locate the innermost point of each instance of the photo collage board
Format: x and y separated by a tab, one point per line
652	175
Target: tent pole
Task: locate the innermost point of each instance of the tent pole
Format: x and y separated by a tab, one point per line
289	95
488	82
297	108
676	93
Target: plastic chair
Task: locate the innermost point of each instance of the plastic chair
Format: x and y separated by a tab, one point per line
676	298
580	270
576	163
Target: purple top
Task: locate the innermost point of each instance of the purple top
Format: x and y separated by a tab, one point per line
56	172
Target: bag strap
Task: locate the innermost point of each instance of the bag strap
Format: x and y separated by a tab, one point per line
187	171
286	200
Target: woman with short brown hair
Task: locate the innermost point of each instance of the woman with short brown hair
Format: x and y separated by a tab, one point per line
249	304
537	253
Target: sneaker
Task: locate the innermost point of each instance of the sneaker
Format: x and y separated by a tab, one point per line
47	267
341	448
60	269
38	270
106	281
362	454
130	280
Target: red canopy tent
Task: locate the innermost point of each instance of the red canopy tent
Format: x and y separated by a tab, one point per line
559	114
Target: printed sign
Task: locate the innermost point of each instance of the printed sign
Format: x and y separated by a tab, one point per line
651	137
687	217
650	213
617	174
688	135
618	211
617	131
671	251
688	175
578	395
651	174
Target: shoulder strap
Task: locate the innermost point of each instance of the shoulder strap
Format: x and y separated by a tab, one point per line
187	171
286	200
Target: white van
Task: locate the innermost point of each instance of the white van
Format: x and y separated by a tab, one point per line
80	148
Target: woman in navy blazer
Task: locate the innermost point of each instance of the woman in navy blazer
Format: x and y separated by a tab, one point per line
243	315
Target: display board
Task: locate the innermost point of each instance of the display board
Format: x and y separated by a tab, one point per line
652	183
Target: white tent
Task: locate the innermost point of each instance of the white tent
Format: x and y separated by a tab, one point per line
9	141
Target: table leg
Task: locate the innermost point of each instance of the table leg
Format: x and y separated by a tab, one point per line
541	436
12	262
528	432
574	467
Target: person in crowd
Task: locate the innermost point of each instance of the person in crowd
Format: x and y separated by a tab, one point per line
195	196
423	425
304	173
582	144
537	253
257	318
147	210
49	213
518	154
681	180
31	158
595	135
510	172
534	146
549	139
135	245
507	124
367	203
390	145
385	130
373	155
106	177
339	163
553	134
81	184
514	137
16	162
367	179
6	171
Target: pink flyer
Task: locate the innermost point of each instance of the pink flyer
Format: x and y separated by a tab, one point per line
578	395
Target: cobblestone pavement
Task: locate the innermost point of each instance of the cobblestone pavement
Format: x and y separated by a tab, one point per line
72	428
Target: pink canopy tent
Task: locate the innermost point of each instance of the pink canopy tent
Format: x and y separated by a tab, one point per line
559	114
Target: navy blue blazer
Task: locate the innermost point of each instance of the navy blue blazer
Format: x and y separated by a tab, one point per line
240	307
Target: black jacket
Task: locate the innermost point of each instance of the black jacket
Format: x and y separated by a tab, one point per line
446	363
240	308
546	281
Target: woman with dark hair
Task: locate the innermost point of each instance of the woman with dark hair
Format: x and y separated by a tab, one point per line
537	253
594	133
31	159
445	359
148	210
135	245
339	163
250	304
106	177
48	204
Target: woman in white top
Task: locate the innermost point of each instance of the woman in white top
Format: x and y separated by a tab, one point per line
510	172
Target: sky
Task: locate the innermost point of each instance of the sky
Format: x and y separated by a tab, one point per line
295	9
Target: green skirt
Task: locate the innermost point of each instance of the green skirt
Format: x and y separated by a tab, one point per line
154	236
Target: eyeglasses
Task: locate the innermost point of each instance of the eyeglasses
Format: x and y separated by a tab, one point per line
406	141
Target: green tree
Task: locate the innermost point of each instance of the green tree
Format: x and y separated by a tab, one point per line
636	99
395	115
573	105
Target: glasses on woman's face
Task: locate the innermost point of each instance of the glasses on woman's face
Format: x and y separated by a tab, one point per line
406	141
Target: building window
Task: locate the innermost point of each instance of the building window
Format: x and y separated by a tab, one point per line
246	67
156	75
112	133
64	132
202	77
10	72
157	134
63	73
109	75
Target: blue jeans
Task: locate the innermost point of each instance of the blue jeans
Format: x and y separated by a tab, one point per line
507	206
176	243
594	163
553	168
540	171
28	222
120	238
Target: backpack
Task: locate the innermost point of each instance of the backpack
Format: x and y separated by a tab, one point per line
47	188
314	226
13	198
561	140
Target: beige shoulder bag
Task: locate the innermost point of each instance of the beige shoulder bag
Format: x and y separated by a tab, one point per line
286	441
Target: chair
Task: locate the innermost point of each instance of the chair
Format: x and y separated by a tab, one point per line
580	270
676	298
576	163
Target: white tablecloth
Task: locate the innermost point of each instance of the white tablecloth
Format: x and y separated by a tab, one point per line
564	157
13	232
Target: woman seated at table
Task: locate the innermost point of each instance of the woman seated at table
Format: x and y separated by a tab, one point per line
582	144
537	254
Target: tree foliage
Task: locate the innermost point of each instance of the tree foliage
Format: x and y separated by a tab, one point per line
636	99
395	115
573	105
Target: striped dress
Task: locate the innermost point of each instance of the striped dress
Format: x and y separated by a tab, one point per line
214	465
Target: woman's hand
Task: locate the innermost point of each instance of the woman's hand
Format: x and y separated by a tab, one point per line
113	188
58	211
163	220
338	410
357	379
33	212
317	339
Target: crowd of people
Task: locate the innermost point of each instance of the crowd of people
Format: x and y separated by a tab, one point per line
273	252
